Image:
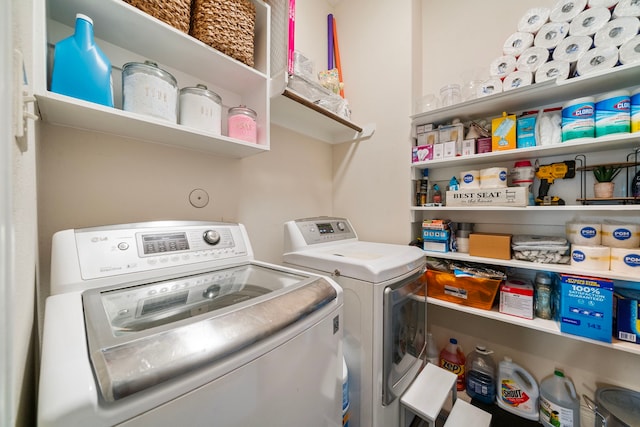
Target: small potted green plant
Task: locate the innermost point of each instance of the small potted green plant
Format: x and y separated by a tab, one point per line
604	175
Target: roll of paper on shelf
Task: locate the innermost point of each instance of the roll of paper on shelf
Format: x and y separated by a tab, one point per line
516	43
617	32
596	60
533	19
517	79
589	21
565	11
626	8
556	69
629	52
626	261
572	48
502	65
590	257
551	34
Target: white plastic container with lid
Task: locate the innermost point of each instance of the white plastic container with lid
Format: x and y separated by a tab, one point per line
201	108
559	402
516	390
613	113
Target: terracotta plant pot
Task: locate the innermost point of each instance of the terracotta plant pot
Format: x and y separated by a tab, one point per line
603	190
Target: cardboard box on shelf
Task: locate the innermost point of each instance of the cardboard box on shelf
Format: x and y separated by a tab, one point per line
626	323
586	306
516	298
490	245
503	133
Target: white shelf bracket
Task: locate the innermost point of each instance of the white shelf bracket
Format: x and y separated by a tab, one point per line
22	97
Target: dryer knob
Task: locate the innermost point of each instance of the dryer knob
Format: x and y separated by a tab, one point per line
341	226
212	237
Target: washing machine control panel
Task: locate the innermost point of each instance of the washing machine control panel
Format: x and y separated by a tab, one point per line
104	252
325	229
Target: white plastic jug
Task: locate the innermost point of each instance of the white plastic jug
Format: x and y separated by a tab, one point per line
559	402
517	390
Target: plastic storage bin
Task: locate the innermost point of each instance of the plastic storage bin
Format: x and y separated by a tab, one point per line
470	291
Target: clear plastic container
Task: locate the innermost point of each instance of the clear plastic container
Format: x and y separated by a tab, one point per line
241	124
559	402
450	95
149	90
433	356
480	374
453	359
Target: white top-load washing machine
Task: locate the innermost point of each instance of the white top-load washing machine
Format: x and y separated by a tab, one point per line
384	310
175	323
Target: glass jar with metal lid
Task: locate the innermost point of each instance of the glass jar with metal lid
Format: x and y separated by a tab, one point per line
201	108
149	90
241	124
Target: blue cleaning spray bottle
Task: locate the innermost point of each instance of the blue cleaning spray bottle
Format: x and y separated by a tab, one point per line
80	68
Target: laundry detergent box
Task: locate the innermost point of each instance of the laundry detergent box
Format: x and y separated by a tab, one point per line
516	298
626	323
586	306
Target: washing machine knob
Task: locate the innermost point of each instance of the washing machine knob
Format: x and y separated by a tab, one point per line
212	237
340	226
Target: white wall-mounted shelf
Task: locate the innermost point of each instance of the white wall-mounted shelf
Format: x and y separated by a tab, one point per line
127	34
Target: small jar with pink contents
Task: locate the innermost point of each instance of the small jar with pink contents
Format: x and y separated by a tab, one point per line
241	124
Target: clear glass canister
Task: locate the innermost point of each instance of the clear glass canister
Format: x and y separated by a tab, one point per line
201	108
149	90
241	124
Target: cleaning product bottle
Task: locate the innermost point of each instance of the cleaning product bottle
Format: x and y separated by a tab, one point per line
516	390
452	359
559	402
345	393
80	68
437	194
480	374
433	355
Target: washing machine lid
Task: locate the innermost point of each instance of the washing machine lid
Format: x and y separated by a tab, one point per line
367	261
143	334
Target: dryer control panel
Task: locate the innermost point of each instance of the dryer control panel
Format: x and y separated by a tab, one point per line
312	231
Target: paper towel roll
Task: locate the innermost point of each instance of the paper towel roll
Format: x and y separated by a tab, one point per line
590	257
620	235
502	66
493	177
532	59
627	8
551	34
629	52
626	261
470	179
602	3
516	43
597	59
552	70
589	21
572	48
566	10
533	19
517	79
585	234
489	87
617	32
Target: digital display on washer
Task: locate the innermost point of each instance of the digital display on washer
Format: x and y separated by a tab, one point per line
325	228
153	305
159	243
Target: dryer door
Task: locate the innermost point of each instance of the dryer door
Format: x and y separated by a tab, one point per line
405	307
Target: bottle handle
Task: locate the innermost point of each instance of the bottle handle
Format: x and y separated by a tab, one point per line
570	387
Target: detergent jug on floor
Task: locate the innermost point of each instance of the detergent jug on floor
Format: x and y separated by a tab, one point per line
480	372
452	359
559	402
517	390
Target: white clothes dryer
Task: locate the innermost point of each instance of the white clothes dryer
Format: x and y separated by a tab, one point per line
175	323
384	310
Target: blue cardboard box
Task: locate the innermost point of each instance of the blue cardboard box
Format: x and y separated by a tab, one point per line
586	306
626	322
436	240
526	131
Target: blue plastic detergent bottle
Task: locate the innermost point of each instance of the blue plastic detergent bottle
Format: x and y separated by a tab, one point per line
80	68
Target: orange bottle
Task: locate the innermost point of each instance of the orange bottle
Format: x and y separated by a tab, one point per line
452	359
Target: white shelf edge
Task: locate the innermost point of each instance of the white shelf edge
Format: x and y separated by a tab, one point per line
66	111
542	325
604	143
569	208
556	268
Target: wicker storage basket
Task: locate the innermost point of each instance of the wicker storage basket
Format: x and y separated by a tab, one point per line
176	13
225	25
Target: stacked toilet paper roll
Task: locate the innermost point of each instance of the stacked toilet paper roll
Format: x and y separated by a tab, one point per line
626	261
590	257
620	235
589	21
516	79
533	19
493	177
502	65
629	52
566	10
617	32
489	87
597	59
584	234
602	3
516	43
470	179
551	34
572	48
627	8
556	69
532	59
